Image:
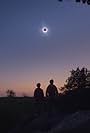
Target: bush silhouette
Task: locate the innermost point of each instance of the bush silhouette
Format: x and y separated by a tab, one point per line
78	79
10	93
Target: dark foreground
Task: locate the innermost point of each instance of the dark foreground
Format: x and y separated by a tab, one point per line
25	115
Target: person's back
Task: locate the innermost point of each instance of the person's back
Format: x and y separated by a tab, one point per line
51	90
39	99
38	93
51	94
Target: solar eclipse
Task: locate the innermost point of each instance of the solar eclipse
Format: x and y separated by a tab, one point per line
45	30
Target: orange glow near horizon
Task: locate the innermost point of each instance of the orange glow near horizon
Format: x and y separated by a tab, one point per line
26	84
28	87
24	81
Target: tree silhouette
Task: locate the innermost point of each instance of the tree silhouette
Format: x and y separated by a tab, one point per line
80	1
79	79
10	93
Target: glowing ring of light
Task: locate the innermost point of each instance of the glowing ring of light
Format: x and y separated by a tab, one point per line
44	29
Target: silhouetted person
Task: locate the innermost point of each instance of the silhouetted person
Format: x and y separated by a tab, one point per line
51	90
51	93
38	93
39	99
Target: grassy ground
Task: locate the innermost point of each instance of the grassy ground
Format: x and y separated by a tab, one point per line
25	111
12	110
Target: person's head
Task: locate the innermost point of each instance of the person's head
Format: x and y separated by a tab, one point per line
51	81
38	85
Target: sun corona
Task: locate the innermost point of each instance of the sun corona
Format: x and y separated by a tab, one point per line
45	30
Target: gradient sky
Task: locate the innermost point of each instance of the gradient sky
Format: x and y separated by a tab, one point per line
27	56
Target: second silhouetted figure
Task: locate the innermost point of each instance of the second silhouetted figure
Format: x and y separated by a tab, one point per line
38	93
51	90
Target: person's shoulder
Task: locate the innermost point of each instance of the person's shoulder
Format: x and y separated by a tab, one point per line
35	90
54	86
40	89
49	86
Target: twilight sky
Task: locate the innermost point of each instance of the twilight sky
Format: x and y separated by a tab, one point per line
27	56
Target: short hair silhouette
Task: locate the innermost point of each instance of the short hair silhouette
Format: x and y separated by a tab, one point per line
38	93
51	81
38	85
51	90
